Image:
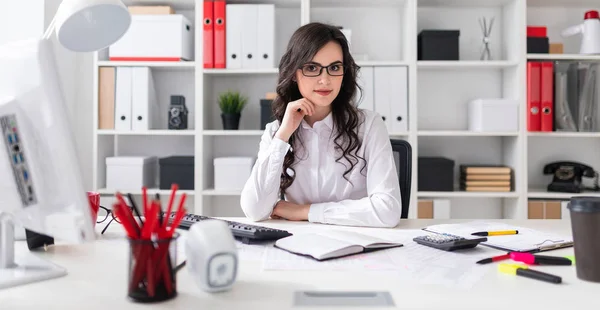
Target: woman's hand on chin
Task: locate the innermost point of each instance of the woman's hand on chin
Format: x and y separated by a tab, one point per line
290	211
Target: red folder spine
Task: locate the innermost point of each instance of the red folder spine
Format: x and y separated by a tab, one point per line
546	96
208	26
220	26
533	96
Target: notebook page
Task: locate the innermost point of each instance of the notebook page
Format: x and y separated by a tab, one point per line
526	240
357	238
315	245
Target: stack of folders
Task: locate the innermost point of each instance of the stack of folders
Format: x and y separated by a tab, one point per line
127	99
485	178
575	96
238	35
562	96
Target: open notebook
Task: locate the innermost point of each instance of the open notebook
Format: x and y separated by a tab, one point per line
332	244
527	240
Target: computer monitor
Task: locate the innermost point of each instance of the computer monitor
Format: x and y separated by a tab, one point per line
40	182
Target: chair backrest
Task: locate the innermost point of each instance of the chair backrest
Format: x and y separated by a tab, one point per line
403	159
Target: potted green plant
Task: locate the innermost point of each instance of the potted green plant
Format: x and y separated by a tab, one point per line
231	103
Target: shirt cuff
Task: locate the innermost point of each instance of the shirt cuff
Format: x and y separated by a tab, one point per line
279	146
315	213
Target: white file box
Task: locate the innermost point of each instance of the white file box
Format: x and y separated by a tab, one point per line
155	38
131	172
499	115
231	173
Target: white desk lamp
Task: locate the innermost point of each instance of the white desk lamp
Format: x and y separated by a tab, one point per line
89	25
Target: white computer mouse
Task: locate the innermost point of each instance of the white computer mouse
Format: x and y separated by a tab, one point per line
211	254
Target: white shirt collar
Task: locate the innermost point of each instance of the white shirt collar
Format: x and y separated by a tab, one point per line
327	121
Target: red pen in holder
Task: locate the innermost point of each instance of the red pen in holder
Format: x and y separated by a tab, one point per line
152	247
151	269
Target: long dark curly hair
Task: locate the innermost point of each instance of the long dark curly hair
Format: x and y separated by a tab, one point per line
302	47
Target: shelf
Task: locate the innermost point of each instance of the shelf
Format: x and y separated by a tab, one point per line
157	132
354	3
376	63
241	71
464	133
161	65
462	3
464	194
562	3
176	4
232	132
465	64
151	191
558	134
562	57
215	192
542	193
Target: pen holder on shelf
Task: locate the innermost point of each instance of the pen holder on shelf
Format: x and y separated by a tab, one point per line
152	276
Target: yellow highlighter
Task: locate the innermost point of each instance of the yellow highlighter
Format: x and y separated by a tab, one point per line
496	233
524	271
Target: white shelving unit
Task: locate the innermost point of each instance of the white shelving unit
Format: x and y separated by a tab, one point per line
386	31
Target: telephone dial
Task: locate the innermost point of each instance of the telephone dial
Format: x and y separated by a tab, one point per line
568	175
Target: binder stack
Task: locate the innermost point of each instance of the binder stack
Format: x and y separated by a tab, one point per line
485	178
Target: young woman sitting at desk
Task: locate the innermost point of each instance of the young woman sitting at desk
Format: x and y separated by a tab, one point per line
332	162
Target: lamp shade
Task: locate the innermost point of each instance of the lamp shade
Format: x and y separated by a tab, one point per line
91	25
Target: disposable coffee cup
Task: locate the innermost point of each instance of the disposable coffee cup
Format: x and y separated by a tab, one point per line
585	225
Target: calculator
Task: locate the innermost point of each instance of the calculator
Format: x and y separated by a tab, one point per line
448	242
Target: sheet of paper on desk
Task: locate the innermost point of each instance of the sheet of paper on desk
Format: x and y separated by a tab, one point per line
455	269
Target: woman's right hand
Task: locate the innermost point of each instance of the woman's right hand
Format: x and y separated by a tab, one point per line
294	113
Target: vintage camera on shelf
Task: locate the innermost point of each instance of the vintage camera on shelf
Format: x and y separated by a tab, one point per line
178	113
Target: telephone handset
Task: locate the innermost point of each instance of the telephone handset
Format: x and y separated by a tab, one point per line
568	175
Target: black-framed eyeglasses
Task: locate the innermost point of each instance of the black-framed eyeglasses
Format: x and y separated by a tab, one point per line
104	213
313	69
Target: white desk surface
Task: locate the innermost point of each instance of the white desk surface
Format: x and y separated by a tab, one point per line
97	278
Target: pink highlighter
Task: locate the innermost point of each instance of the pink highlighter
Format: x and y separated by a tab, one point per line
531	259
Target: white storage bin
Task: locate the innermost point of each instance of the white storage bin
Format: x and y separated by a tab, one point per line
500	115
155	38
231	173
131	172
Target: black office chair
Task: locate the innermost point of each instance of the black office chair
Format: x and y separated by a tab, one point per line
403	159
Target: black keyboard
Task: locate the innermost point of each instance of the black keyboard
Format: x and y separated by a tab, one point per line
246	233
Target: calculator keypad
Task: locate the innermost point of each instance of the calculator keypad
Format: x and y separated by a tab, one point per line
441	238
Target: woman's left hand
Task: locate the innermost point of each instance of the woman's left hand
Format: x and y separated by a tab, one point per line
290	211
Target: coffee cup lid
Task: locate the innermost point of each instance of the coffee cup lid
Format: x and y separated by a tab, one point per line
584	204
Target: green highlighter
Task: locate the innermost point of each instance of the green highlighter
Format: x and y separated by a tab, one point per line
572	258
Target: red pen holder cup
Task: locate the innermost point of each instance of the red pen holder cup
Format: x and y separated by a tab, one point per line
152	276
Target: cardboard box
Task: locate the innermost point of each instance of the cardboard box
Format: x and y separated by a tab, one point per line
556	48
535	210
150	10
425	209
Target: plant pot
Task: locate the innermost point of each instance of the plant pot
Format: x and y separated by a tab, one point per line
231	121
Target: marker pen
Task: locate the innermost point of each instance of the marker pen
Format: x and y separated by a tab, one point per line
524	271
531	259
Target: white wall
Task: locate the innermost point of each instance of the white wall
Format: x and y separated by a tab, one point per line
21	19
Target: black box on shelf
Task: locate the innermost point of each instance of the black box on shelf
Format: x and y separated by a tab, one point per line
438	45
435	174
266	112
538	45
177	169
